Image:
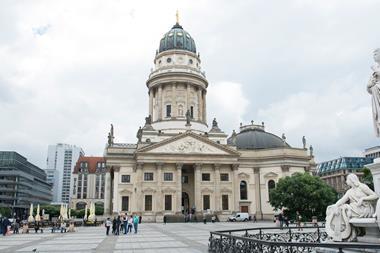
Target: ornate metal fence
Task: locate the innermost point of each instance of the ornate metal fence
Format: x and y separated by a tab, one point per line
275	240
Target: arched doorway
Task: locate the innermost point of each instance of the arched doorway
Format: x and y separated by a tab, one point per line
185	202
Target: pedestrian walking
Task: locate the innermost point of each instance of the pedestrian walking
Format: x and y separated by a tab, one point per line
108	224
165	219
281	219
135	223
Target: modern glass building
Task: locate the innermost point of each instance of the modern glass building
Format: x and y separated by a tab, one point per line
21	183
334	172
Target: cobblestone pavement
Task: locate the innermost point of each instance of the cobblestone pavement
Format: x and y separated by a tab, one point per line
151	237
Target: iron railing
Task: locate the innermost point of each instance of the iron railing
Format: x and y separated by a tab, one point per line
276	240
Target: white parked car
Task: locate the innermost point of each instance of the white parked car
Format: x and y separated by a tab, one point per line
239	217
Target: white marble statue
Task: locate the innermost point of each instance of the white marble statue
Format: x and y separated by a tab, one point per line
373	88
357	202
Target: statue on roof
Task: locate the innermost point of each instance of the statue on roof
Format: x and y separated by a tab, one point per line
214	123
148	120
139	134
304	142
311	150
110	136
188	117
373	88
283	137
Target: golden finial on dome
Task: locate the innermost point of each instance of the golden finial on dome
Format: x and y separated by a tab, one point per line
177	16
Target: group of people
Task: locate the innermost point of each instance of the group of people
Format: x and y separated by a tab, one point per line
5	226
123	224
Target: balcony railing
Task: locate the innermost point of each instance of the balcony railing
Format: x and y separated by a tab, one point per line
276	240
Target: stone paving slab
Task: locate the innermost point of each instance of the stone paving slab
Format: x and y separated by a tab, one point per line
151	238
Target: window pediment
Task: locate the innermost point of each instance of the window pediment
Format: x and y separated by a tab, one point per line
207	190
148	190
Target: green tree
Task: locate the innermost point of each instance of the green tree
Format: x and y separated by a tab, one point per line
367	178
304	193
5	211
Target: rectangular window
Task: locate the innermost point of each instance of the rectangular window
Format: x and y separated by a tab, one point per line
125	178
191	111
224	202
206	202
148	202
224	177
168	176
205	176
125	203
168	110
148	176
168	202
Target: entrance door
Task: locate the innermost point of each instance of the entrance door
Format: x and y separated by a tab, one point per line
185	202
244	209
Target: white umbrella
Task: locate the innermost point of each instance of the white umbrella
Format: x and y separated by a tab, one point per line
85	213
38	217
30	218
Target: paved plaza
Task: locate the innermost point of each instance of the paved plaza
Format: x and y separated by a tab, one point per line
151	237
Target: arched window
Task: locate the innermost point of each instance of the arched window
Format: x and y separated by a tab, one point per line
271	185
243	190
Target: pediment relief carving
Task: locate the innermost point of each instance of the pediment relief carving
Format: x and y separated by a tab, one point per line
207	190
243	175
188	145
148	190
168	190
270	174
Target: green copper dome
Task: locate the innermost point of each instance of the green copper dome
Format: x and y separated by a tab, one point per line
177	38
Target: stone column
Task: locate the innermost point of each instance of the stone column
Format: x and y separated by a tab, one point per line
187	97
159	103
178	198
197	187
174	104
159	198
236	185
116	197
217	203
204	107
107	193
259	212
200	104
138	187
151	102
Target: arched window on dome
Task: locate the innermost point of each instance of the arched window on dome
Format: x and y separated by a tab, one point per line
180	111
243	190
271	185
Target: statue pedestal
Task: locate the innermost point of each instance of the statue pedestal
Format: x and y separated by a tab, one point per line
372	232
375	170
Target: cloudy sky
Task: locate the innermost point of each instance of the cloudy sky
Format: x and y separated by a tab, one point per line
70	68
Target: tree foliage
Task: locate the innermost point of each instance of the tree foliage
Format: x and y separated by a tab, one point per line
304	193
367	178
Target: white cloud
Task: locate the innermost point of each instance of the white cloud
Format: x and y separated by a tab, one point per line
227	103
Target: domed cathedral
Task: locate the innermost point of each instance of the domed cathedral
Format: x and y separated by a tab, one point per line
179	165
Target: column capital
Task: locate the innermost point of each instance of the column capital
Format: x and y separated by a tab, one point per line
235	166
285	168
116	168
198	166
138	166
179	166
256	170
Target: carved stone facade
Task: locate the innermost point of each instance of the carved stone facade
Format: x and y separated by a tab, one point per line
179	165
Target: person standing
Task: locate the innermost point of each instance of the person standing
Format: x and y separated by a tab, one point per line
114	225
108	224
118	222
164	219
281	219
5	225
125	222
135	223
298	220
130	224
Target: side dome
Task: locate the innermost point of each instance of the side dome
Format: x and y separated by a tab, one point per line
177	38
256	139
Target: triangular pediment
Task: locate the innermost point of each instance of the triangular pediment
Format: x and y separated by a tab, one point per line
188	143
